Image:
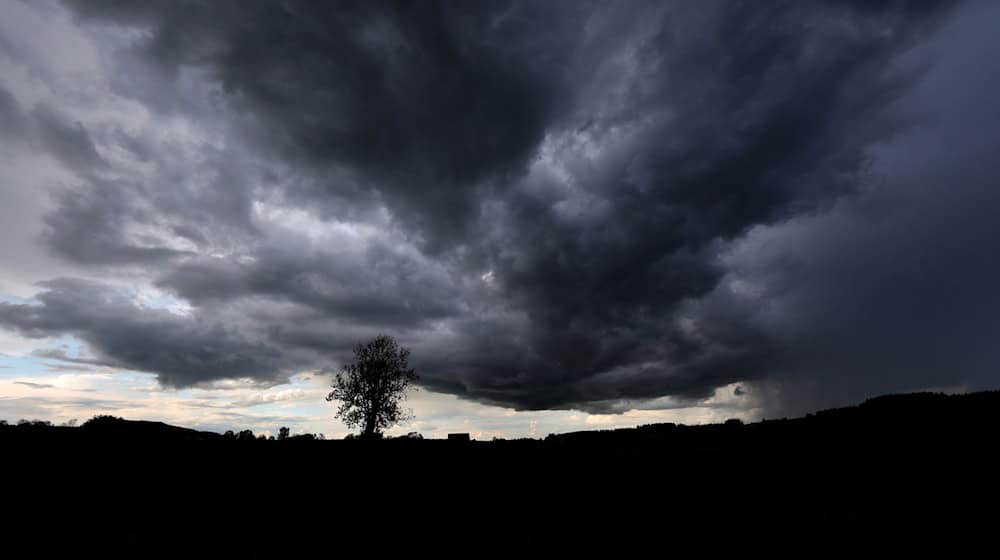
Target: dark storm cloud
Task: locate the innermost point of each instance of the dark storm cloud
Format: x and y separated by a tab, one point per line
739	116
893	290
49	131
563	183
377	286
86	226
181	350
12	120
184	205
68	142
422	101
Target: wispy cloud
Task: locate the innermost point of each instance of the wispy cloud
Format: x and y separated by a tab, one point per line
34	385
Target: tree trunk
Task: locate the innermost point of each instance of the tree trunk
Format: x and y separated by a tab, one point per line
370	426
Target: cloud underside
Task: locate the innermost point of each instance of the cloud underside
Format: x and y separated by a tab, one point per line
553	204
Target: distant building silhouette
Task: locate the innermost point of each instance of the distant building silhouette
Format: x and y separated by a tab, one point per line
459	437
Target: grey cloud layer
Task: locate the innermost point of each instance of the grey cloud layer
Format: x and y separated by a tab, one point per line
892	289
544	199
44	129
182	350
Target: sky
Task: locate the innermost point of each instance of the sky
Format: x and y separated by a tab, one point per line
575	214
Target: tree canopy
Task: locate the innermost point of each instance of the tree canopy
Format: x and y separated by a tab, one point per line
371	387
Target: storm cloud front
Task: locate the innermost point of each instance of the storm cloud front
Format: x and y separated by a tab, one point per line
567	205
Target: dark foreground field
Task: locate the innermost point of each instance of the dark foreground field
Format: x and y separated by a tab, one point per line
908	467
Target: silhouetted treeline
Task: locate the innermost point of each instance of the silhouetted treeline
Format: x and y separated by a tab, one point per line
916	413
900	467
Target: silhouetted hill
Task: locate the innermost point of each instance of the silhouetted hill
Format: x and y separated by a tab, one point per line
895	467
112	427
902	413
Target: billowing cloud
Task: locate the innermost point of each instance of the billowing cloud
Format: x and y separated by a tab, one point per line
183	350
556	205
890	290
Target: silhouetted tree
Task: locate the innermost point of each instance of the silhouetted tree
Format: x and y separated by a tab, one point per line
283	432
102	420
370	388
245	435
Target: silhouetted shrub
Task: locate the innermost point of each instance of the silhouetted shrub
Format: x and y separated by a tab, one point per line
101	420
